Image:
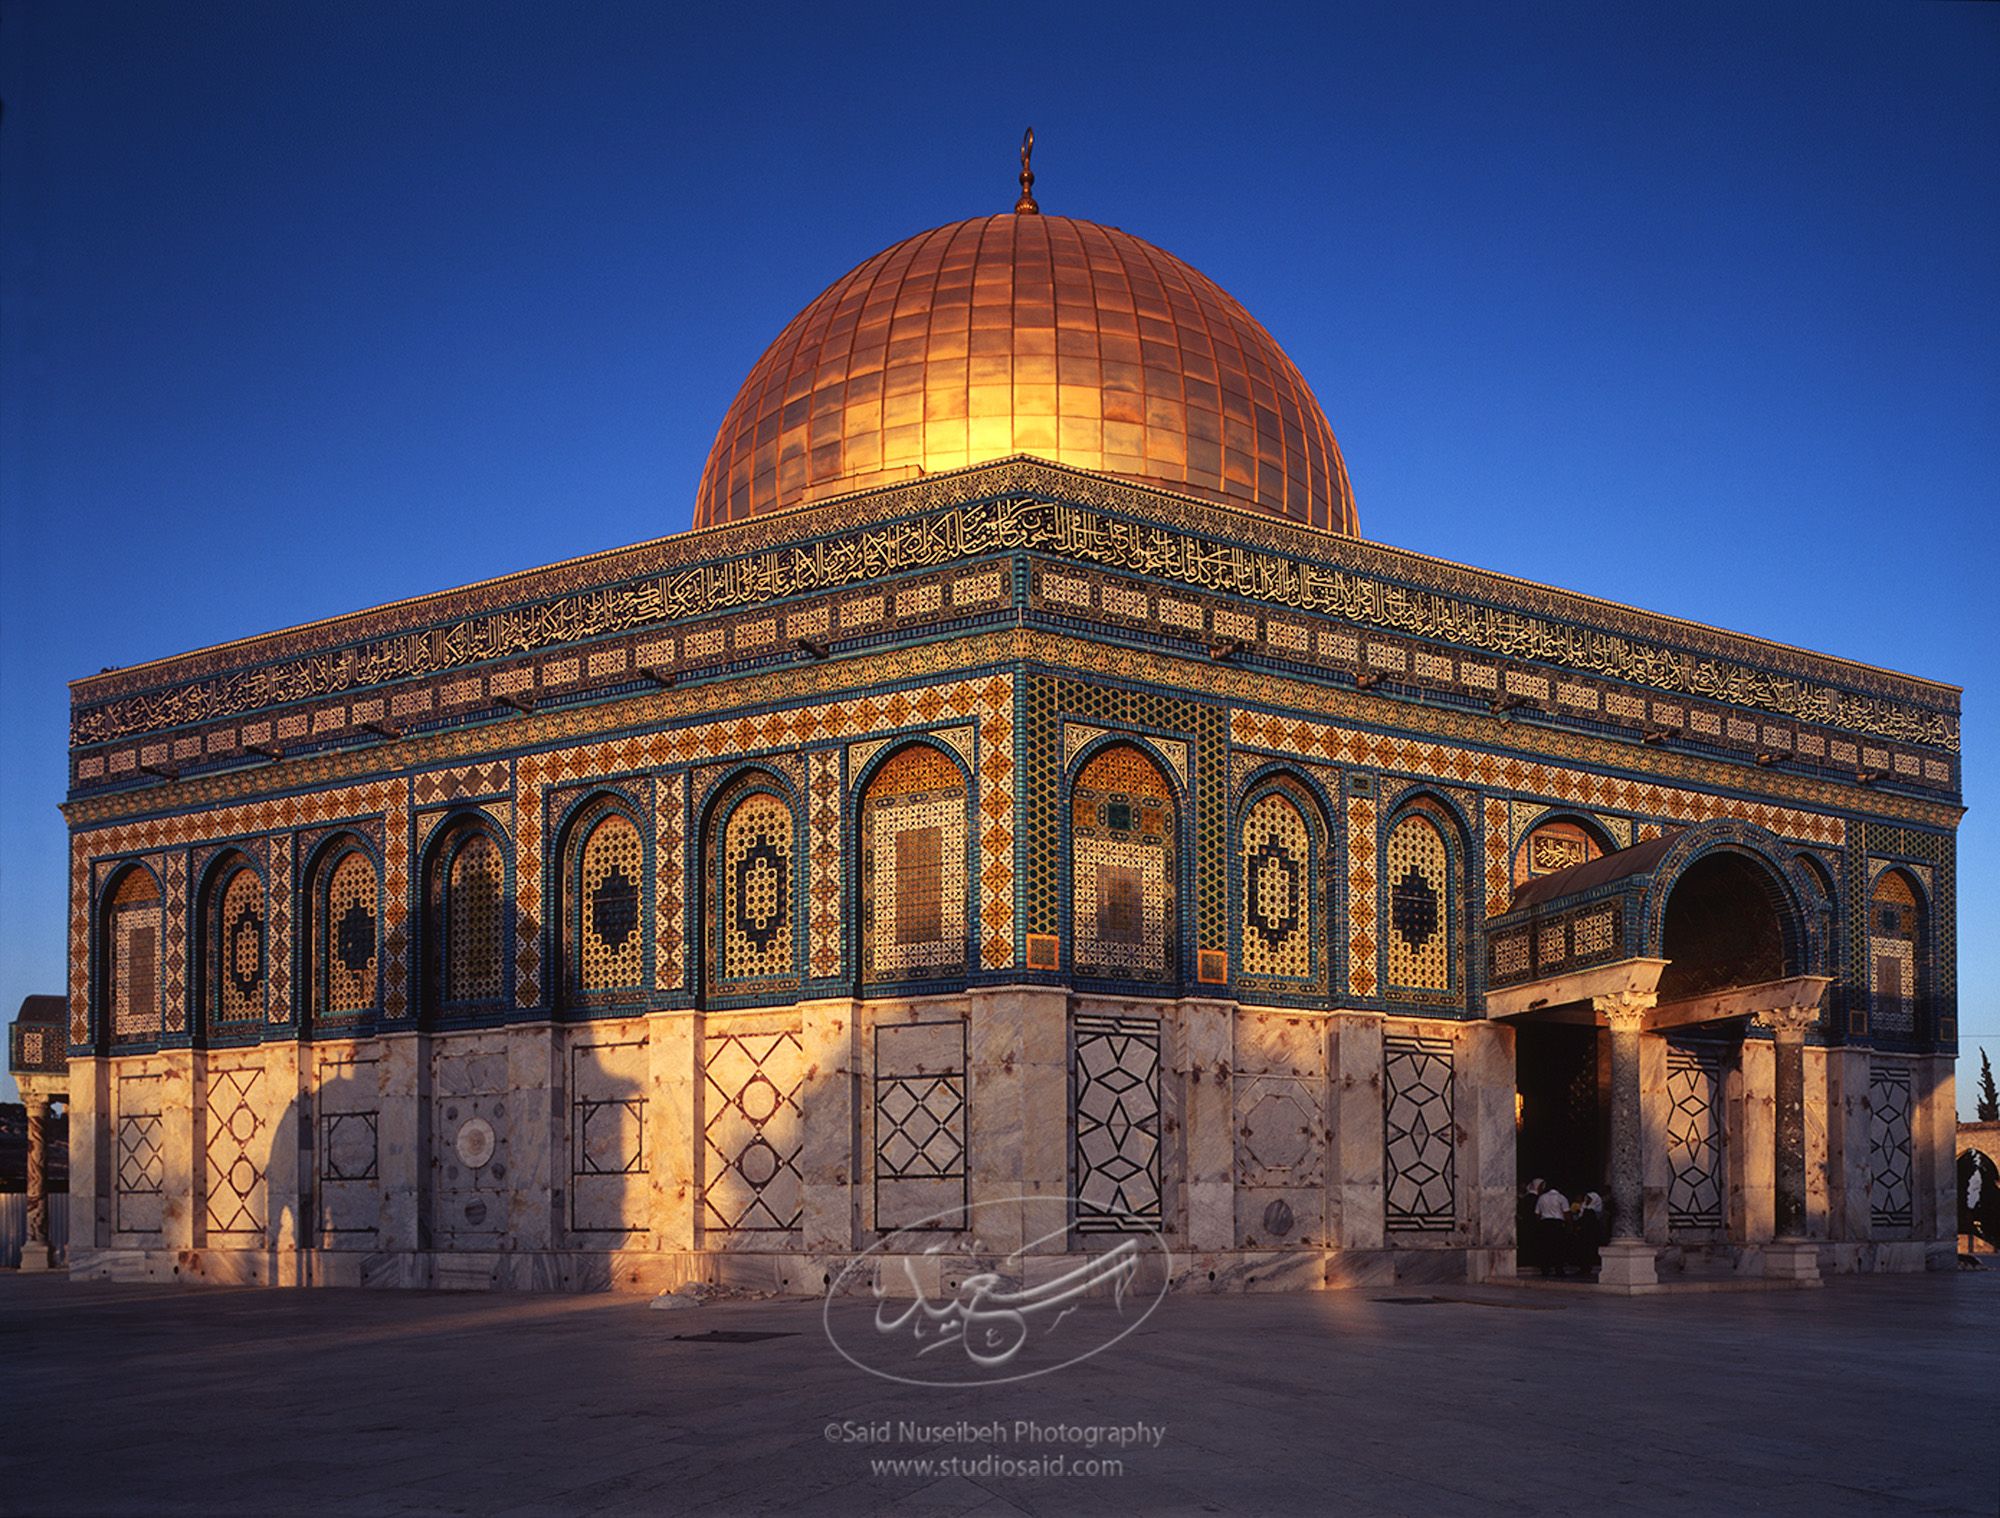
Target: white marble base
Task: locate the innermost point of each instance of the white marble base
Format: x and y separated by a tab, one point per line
1628	1266
1791	1260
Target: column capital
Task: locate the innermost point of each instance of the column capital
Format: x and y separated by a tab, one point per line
1790	1022
1625	1010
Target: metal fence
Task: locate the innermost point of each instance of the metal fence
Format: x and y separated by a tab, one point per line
14	1225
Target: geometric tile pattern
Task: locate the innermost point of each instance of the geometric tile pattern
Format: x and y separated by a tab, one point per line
470	921
235	1191
1308	739
913	868
605	906
1891	1190
1421	908
1694	1137
347	937
1122	877
463	780
988	700
1420	1154
174	953
824	795
753	1134
1499	885
669	878
1280	931
237	950
133	949
1894	924
530	805
279	948
1361	901
755	938
387	799
1117	1132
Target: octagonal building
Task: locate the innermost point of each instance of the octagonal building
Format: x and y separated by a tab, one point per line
1023	790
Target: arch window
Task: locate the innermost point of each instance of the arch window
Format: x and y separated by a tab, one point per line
1280	932
755	939
132	929
1423	905
237	965
1122	875
913	875
1895	942
468	922
346	938
604	916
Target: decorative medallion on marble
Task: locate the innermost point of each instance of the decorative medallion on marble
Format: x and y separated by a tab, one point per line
754	1133
1891	1188
1420	1166
920	1125
1117	1123
238	1143
1694	1137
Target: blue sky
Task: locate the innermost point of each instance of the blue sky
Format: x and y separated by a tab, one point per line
307	307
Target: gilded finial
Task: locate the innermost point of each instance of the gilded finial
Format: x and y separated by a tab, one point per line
1026	206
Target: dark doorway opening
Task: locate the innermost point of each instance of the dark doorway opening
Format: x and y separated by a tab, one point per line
1559	1133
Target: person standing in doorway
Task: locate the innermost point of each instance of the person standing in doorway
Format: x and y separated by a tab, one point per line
1551	1229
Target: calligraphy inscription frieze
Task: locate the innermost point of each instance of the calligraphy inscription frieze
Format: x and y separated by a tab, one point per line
1060	529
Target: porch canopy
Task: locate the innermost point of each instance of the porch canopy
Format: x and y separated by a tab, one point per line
1707	924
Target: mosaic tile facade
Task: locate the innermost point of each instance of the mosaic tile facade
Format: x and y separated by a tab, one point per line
1116	1069
1362	926
1282	932
1124	884
1894	943
670	931
1421	1145
1694	1138
237	951
1559	783
468	911
1423	906
346	938
604	914
133	953
913	885
756	936
826	823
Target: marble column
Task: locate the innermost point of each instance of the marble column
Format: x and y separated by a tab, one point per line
1628	1260
1790	1255
35	1252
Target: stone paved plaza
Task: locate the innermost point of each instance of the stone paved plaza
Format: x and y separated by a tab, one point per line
1870	1396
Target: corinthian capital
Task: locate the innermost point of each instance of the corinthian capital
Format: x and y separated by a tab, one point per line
1625	1009
1790	1020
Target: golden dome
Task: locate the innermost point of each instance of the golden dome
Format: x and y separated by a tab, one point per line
1026	334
